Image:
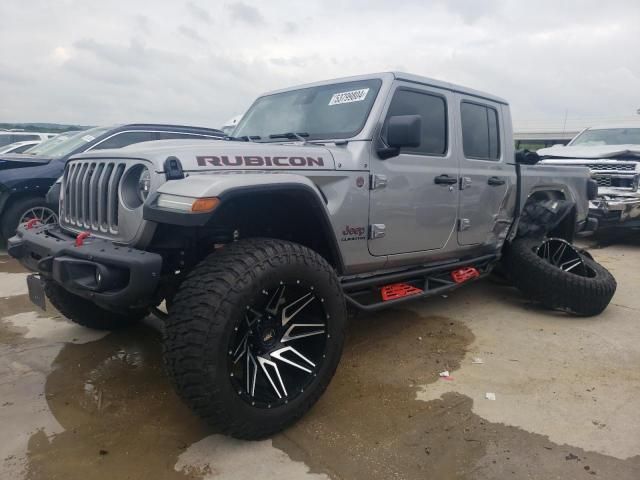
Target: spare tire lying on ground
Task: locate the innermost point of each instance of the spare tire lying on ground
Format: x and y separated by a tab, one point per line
559	275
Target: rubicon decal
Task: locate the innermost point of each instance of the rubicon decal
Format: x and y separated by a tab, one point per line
353	233
258	161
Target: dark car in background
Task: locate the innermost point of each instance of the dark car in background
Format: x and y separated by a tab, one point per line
26	178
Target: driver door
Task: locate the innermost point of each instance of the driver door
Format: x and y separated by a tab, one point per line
414	195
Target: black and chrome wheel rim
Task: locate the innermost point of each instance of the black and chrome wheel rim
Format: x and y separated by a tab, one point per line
278	348
563	255
45	215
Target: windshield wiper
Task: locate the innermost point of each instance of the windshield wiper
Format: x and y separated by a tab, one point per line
291	136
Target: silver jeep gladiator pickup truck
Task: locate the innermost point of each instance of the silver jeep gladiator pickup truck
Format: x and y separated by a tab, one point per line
363	193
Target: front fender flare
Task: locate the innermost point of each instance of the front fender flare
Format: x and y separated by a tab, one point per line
225	187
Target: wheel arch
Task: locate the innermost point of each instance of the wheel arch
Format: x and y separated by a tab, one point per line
564	228
14	197
292	211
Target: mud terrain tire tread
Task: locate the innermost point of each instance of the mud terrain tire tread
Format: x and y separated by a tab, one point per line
555	288
87	314
199	324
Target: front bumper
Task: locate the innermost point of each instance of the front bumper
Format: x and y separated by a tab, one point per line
616	208
111	275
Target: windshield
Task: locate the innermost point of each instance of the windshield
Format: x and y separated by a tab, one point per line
608	136
36	149
339	110
64	144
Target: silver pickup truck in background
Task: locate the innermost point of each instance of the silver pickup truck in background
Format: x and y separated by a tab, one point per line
364	192
612	153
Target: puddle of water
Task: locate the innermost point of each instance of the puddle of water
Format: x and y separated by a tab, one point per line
52	329
120	416
116	416
19	304
10	265
572	379
29	341
370	425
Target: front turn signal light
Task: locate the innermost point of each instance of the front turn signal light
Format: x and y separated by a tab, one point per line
205	204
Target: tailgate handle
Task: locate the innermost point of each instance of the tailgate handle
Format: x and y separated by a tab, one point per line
445	180
495	181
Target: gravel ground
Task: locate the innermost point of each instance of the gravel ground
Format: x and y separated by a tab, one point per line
76	403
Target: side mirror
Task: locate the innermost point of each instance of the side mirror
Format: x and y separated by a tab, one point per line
402	131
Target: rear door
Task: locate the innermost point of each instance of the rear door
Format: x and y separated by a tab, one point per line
486	178
414	196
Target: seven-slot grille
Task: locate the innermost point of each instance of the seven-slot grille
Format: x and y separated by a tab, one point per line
90	195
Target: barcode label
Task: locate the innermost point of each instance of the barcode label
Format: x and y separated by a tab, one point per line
348	97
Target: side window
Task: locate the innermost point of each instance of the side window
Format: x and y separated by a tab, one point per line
432	109
180	136
127	138
480	136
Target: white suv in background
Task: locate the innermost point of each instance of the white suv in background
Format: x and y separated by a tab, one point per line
19	147
7	138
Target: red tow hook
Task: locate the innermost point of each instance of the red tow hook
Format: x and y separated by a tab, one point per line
31	223
80	238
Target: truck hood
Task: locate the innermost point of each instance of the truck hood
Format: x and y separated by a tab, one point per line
20	161
620	152
201	155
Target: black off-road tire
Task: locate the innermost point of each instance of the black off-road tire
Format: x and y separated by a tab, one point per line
12	215
554	287
212	299
87	314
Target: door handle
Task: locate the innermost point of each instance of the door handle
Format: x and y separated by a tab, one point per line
495	181
445	180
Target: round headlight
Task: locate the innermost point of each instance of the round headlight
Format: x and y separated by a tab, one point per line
144	184
135	186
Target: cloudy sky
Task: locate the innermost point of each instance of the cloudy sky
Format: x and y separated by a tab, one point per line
201	62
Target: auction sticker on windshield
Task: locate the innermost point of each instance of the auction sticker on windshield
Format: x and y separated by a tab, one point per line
348	97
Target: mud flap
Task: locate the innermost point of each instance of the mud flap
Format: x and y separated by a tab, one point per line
36	291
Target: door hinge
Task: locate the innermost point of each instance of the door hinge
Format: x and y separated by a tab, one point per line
377	181
465	182
377	230
464	224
